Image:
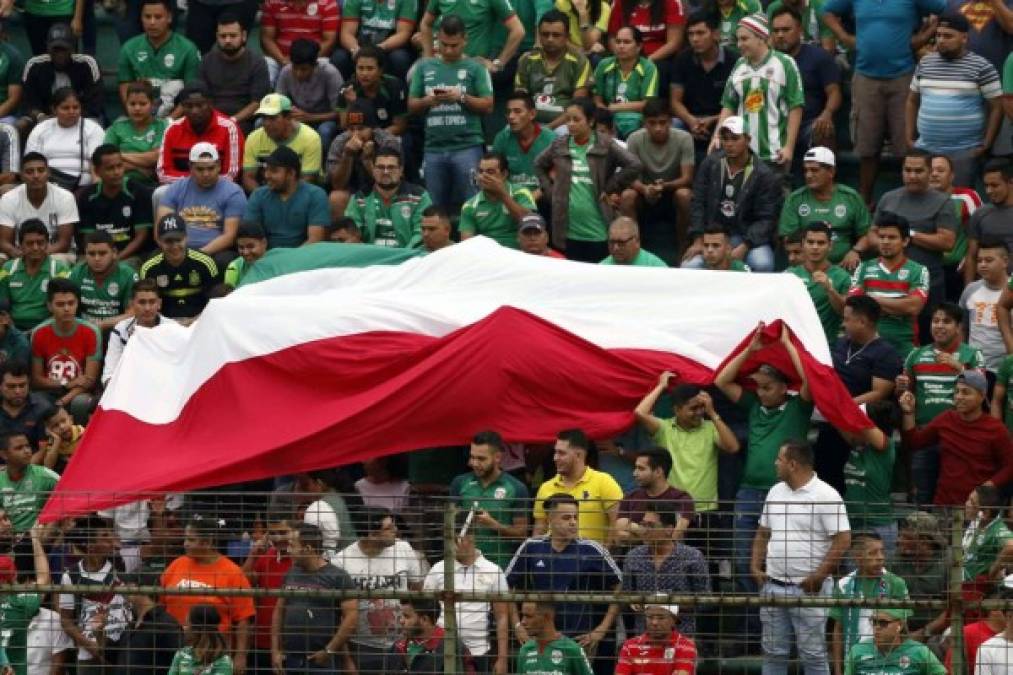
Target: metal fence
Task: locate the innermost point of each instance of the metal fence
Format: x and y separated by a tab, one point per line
128	592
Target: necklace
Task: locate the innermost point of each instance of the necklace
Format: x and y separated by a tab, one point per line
850	357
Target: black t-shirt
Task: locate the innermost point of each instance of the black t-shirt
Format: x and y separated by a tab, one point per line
858	365
390	102
28	421
702	89
119	216
818	70
310	621
184	289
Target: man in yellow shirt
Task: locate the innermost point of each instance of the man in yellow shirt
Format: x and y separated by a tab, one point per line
596	492
279	128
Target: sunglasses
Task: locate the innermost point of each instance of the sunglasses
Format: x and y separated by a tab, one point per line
883	623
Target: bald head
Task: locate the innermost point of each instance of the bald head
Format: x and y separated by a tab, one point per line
624	240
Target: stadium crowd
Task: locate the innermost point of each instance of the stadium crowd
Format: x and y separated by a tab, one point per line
715	135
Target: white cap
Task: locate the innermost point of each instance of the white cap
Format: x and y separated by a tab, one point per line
734	124
820	154
203	148
1007	583
671	609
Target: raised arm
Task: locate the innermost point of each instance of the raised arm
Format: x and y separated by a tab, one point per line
644	412
725	380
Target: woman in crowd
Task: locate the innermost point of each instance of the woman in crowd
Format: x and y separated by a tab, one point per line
206	652
624	82
67	140
139	134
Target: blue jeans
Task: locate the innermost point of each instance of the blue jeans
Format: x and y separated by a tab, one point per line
327	131
807	624
759	259
748	506
450	176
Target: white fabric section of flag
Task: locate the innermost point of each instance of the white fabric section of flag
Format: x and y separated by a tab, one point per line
697	314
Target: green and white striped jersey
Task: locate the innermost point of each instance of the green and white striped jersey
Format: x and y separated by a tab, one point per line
763	95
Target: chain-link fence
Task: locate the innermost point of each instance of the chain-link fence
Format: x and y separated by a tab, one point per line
285	581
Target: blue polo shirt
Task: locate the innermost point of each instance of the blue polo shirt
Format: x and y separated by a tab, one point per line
285	220
584	566
883	32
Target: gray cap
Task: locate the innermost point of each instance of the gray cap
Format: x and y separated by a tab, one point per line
532	221
975	379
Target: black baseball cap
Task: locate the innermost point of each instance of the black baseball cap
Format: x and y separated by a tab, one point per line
60	35
171	226
284	157
361	112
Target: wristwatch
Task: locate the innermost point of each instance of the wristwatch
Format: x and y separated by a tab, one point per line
497	65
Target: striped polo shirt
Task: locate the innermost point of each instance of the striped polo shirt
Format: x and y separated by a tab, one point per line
954	95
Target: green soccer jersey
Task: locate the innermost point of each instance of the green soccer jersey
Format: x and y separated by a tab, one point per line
504	499
735	265
552	88
908	658
23	499
50	8
935	382
813	29
235	272
769	428
451	126
644	259
763	94
868	477
1007	76
16	612
480	215
877	280
562	656
586	221
1005	377
840	281
845	211
11	66
185	663
177	60
111	297
397	224
123	134
856	622
378	18
481	19
729	19
982	545
520	159
640	84
26	293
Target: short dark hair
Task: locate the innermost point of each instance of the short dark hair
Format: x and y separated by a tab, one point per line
141	87
820	226
436	211
228	18
523	96
799	451
164	3
709	18
490	438
372	52
389	152
684	393
716	228
861	538
657	106
304	52
14	368
863	305
605	117
586	106
559	499
657	458
891	219
951	310
884	414
372	517
144	286
346	223
793	237
918	153
499	158
949	162
206	527
34	156
1003	166
555	16
88	528
61	285
667	513
310	535
785	9
638	37
997	244
99	237
989	496
51	412
452	25
103	151
576	439
425	607
32	226
6	436
251	231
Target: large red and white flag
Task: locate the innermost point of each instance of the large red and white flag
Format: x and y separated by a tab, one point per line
332	366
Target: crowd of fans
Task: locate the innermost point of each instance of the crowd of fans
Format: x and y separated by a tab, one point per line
708	135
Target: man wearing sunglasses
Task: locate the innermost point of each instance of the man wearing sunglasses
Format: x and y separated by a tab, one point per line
890	651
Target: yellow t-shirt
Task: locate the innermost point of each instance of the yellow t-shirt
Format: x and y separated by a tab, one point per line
576	36
596	492
305	143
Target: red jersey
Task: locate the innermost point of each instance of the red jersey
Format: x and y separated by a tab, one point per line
975	635
295	20
64	357
655	35
271	568
640	656
222	132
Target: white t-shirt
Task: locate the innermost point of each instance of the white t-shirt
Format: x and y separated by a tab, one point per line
118	611
394	568
321	514
392	496
58	208
45	639
980	301
62	146
802	523
995	657
472	617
